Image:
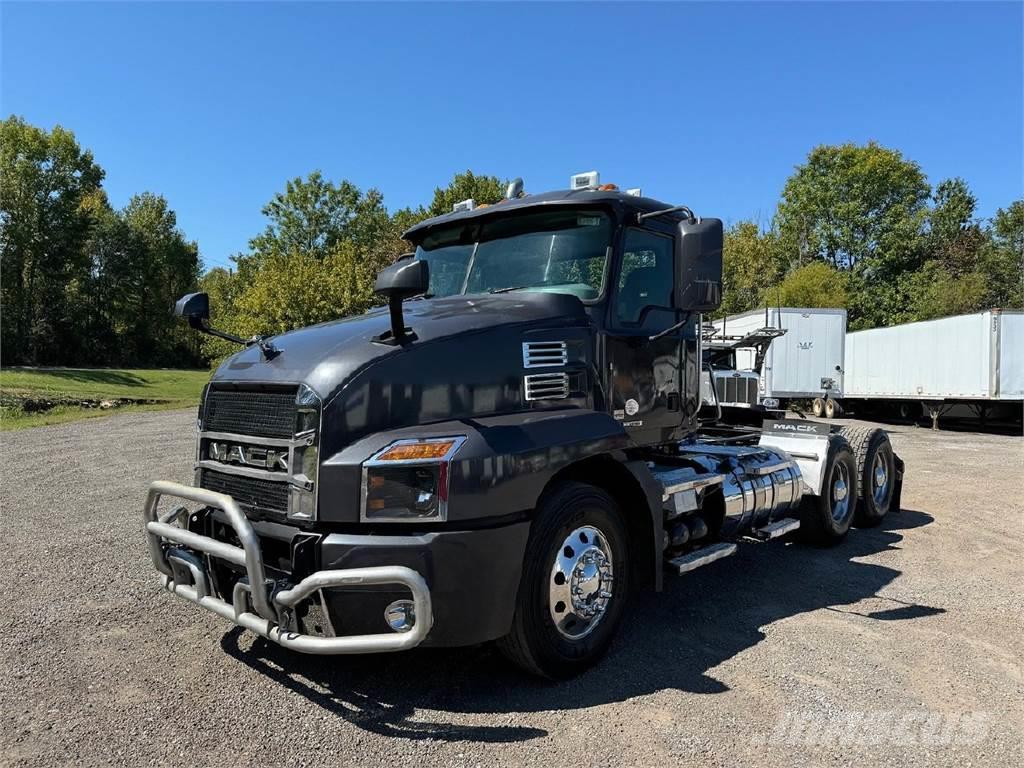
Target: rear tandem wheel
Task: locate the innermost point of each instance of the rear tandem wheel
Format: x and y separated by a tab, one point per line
876	472
825	519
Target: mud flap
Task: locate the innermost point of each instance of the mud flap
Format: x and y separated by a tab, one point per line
897	491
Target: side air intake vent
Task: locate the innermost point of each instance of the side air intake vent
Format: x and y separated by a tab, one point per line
542	354
546	386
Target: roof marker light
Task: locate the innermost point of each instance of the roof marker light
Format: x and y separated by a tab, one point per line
589	180
465	205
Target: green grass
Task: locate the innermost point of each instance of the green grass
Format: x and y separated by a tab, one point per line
162	388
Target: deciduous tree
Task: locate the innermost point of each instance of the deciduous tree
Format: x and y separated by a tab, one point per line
463	186
44	179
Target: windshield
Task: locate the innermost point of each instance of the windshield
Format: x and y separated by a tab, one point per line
558	251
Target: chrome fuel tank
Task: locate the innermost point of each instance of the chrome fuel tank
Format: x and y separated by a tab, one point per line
759	484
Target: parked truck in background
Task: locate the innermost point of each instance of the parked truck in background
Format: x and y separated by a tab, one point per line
503	453
729	386
804	363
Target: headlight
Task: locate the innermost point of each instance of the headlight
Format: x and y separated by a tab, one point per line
408	481
305	459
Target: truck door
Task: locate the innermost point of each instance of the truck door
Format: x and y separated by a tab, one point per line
645	377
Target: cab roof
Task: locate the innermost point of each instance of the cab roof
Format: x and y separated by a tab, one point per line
610	198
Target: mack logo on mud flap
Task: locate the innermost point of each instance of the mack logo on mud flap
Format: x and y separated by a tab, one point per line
249	455
797	428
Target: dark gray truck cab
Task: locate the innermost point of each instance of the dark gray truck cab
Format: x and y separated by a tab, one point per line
502	453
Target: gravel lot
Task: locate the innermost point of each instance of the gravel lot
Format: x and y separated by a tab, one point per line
917	619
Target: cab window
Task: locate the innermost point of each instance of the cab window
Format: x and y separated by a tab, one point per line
645	278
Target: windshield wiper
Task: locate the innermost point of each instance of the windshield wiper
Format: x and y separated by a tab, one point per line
510	288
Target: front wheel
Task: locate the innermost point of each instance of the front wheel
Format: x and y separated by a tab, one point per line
574	583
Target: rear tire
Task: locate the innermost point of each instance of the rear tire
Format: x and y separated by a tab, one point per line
825	519
876	472
578	540
818	407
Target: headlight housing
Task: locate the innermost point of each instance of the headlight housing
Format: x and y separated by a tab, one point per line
407	481
304	462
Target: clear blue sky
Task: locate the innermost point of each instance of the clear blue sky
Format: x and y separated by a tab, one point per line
215	106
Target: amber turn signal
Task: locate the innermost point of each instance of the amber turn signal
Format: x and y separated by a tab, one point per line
417	451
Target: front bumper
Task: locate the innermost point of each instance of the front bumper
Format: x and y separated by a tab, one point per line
260	604
463	583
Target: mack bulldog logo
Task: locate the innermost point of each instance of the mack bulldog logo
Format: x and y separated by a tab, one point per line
249	455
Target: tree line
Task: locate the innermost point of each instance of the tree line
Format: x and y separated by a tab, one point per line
856	226
80	282
860	227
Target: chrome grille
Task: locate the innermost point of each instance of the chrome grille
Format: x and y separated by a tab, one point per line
257	413
541	354
546	386
736	389
250	492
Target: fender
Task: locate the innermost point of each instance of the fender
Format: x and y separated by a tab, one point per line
499	472
652	493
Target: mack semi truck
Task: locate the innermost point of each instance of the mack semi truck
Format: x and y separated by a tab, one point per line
504	452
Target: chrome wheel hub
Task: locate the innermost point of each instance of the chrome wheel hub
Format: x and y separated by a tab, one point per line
580	586
840	492
880	479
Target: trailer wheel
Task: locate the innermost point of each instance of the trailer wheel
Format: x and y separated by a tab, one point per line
832	409
825	519
876	471
818	407
574	583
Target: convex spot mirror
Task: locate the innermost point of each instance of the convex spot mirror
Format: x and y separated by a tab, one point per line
699	265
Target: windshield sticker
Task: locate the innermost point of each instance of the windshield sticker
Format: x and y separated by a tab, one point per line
588	221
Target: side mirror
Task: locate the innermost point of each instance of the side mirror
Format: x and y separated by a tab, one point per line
404	279
699	265
194	307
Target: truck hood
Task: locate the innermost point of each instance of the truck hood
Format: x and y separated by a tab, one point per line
465	360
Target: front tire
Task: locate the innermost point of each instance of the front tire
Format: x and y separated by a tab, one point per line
573	588
825	519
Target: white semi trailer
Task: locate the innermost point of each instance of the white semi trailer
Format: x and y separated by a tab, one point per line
967	364
972	362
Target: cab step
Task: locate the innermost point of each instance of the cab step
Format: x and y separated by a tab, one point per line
702	556
776	529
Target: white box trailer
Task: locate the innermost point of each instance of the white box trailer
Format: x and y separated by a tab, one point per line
975	360
806	362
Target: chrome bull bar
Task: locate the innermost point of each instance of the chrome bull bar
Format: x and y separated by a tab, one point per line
268	607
